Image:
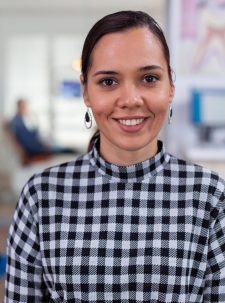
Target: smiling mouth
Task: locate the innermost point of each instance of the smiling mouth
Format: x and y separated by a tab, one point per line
131	122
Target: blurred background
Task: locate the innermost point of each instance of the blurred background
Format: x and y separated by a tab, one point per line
40	48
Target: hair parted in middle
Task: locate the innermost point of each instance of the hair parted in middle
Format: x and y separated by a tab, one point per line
118	22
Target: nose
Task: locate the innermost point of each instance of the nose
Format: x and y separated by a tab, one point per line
129	96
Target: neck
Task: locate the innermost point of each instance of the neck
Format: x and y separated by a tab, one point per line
122	157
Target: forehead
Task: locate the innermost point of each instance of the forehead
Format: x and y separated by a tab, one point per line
137	45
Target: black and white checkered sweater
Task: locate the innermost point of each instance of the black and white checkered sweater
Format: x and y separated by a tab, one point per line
90	231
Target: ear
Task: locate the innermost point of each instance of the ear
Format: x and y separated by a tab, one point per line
172	91
84	91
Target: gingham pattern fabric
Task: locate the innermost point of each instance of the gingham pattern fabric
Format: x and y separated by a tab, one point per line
89	231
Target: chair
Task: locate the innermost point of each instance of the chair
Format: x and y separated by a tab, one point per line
22	166
23	157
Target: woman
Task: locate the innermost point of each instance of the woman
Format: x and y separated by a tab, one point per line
126	222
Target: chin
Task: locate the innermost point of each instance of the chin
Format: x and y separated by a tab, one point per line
135	147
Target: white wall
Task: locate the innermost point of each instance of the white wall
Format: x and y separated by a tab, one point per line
50	19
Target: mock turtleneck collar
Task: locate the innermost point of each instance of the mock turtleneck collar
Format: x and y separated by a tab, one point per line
131	173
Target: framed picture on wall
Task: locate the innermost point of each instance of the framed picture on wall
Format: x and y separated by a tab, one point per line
197	37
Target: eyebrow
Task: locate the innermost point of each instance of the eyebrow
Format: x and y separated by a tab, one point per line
150	67
111	72
105	72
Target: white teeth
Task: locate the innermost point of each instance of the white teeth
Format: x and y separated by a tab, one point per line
131	122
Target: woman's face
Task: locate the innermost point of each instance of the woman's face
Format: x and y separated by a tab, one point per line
129	91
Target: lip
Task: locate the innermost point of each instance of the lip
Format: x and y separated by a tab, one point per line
131	128
130	117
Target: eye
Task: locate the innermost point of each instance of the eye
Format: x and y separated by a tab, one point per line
150	78
108	82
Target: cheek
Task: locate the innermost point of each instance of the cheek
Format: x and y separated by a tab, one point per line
100	108
100	104
159	105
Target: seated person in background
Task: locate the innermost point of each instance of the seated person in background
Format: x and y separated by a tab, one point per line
28	136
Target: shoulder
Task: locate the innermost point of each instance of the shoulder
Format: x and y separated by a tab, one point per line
62	175
16	119
15	123
203	180
188	169
66	169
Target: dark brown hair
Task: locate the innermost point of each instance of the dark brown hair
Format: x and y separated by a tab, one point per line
118	22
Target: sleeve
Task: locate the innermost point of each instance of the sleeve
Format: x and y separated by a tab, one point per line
24	279
214	290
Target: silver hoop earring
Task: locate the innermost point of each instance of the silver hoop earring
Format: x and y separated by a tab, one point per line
88	119
170	114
